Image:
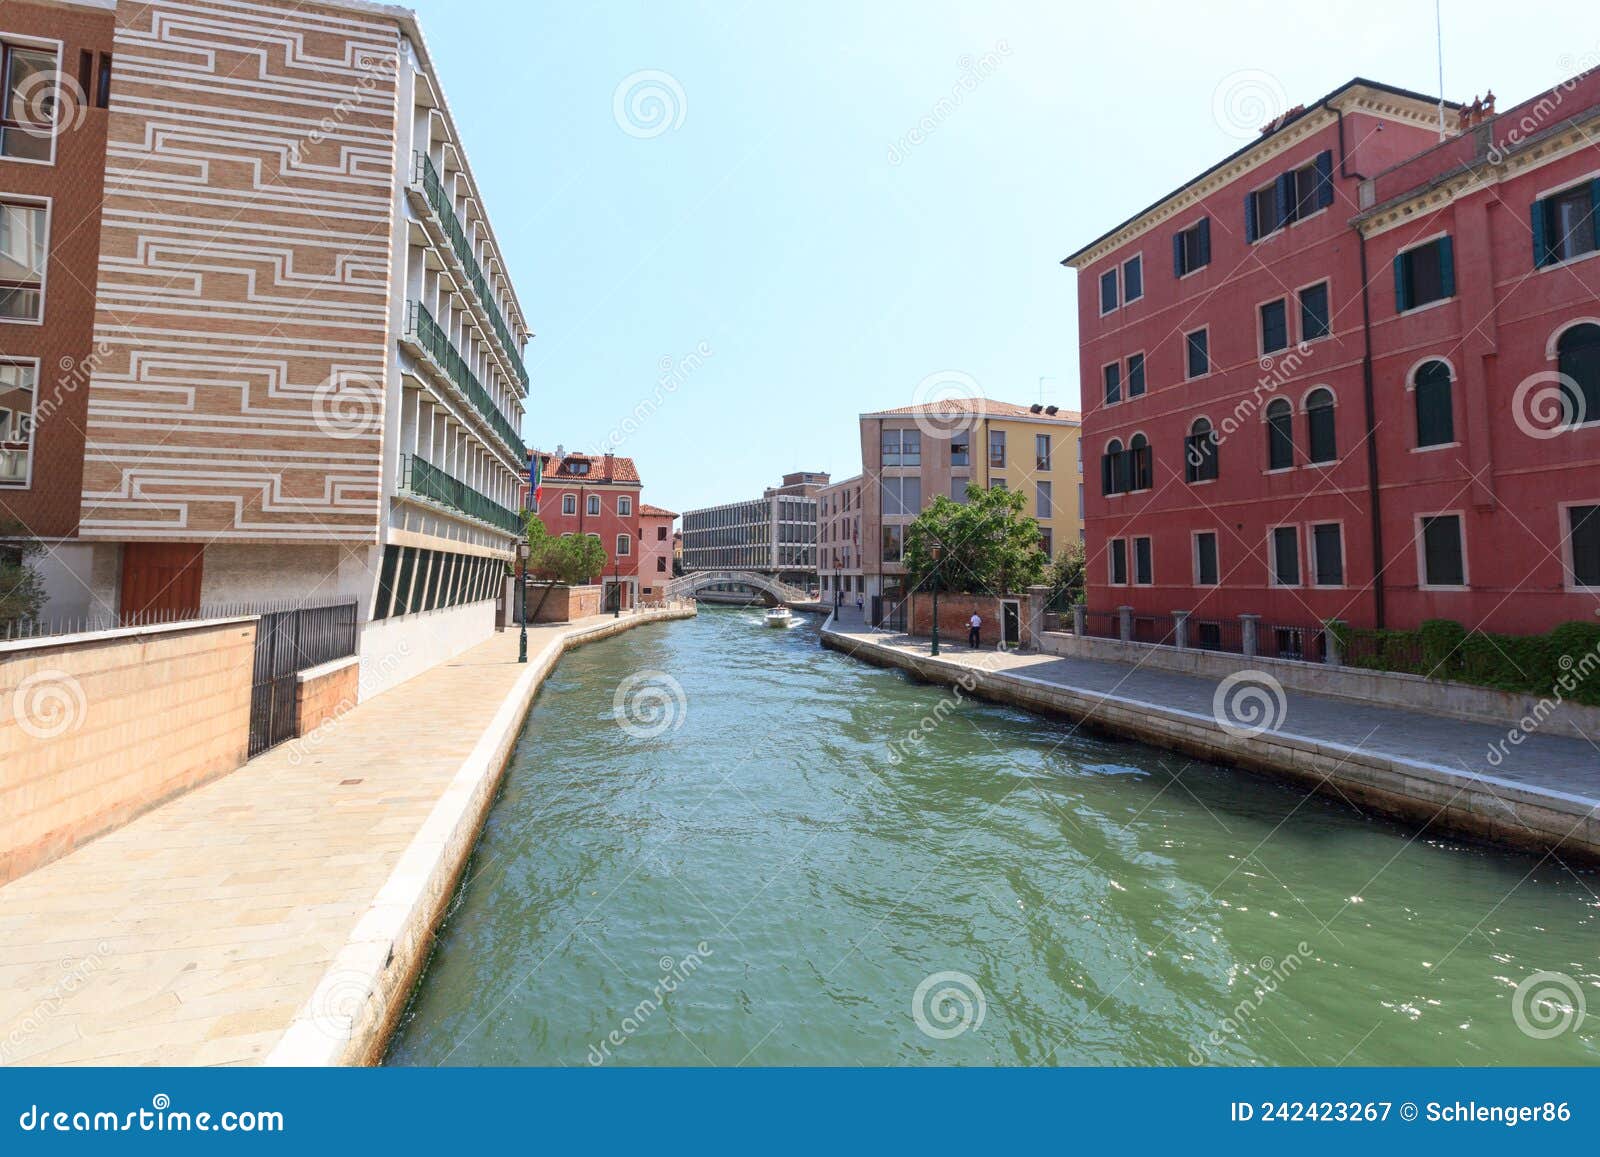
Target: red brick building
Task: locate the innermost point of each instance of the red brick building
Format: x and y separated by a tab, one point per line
597	495
1301	370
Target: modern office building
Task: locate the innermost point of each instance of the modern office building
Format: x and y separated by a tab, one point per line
305	375
912	454
597	495
1319	377
775	534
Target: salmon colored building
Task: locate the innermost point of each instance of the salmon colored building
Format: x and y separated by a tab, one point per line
597	495
1306	374
655	549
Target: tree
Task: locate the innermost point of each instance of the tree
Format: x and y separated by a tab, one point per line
572	558
989	545
21	591
1064	575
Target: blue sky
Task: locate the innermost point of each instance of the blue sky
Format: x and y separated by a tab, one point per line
779	220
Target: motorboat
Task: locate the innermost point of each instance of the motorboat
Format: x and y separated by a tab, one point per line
779	617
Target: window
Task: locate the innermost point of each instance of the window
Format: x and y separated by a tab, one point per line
1132	279
997	448
102	88
23	245
1435	416
1119	562
958	489
28	123
1141	465
593	505
1280	435
624	544
1041	451
1286	556
1045	542
1113	381
1292	196
1197	348
893	543
1274	326
1424	274
18	381
1200	453
1191	248
1442	562
1322	446
902	497
1261	213
1205	559
1108	291
1114	469
1315	320
1564	224
1583	535
902	448
1327	554
1143	566
1578	361
577	466
624	505
569	504
1043	506
1135	375
997	483
960	455
661	534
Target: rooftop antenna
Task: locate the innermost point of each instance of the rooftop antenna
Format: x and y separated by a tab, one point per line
1438	30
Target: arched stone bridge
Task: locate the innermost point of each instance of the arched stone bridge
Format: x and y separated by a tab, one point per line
687	586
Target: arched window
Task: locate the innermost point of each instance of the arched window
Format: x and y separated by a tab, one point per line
1321	444
1114	469
1280	435
1578	359
1436	425
1200	453
1141	467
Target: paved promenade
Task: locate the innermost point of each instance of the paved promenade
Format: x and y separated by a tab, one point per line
274	898
1546	771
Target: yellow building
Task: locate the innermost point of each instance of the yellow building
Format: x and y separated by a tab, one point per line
1030	449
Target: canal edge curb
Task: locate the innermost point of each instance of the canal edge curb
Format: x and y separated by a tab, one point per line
1496	810
357	1003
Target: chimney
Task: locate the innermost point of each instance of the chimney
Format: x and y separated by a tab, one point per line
1035	408
1052	410
608	464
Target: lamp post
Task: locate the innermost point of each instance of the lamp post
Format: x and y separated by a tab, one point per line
616	585
522	600
938	553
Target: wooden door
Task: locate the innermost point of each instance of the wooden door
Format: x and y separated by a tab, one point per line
161	580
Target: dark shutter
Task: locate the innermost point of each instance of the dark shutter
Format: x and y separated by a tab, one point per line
1441	549
1585	524
1177	254
1105	474
1541	242
1330	566
1206	546
1435	420
1282	199
1205	232
1142	570
1324	178
1250	217
1286	556
1447	267
1402	299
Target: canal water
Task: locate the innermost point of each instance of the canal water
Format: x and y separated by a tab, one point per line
747	874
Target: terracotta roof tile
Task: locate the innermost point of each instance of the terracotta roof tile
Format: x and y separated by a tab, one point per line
657	511
979	407
602	467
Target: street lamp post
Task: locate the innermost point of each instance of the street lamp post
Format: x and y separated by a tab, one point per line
616	583
522	600
938	553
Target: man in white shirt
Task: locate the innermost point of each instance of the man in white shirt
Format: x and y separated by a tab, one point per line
973	626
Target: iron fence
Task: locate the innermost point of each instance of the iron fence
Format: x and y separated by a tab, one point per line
1102	624
1156	629
1300	643
18	630
1226	635
288	642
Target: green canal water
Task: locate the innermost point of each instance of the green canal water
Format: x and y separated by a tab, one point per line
761	883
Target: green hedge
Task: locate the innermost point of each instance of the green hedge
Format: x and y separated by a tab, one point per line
1564	663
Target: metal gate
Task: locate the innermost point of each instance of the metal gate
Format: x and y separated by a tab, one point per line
288	642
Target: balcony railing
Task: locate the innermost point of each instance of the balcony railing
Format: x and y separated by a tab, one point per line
426	480
431	336
433	189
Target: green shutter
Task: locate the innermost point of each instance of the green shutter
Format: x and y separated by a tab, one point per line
1447	266
1541	241
1324	178
1250	217
1177	254
1402	299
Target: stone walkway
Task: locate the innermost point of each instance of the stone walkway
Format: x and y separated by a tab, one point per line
196	933
1552	763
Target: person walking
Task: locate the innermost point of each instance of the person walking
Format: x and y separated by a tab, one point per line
974	624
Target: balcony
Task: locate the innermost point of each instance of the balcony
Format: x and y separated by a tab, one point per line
427	335
433	188
425	480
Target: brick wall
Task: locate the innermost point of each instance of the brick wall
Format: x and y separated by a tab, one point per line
564	604
96	729
955	610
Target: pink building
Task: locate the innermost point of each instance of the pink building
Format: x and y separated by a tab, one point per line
655	549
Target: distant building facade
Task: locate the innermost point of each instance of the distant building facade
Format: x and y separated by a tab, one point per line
655	549
839	541
775	534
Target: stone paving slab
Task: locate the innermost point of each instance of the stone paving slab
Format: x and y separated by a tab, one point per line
196	933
